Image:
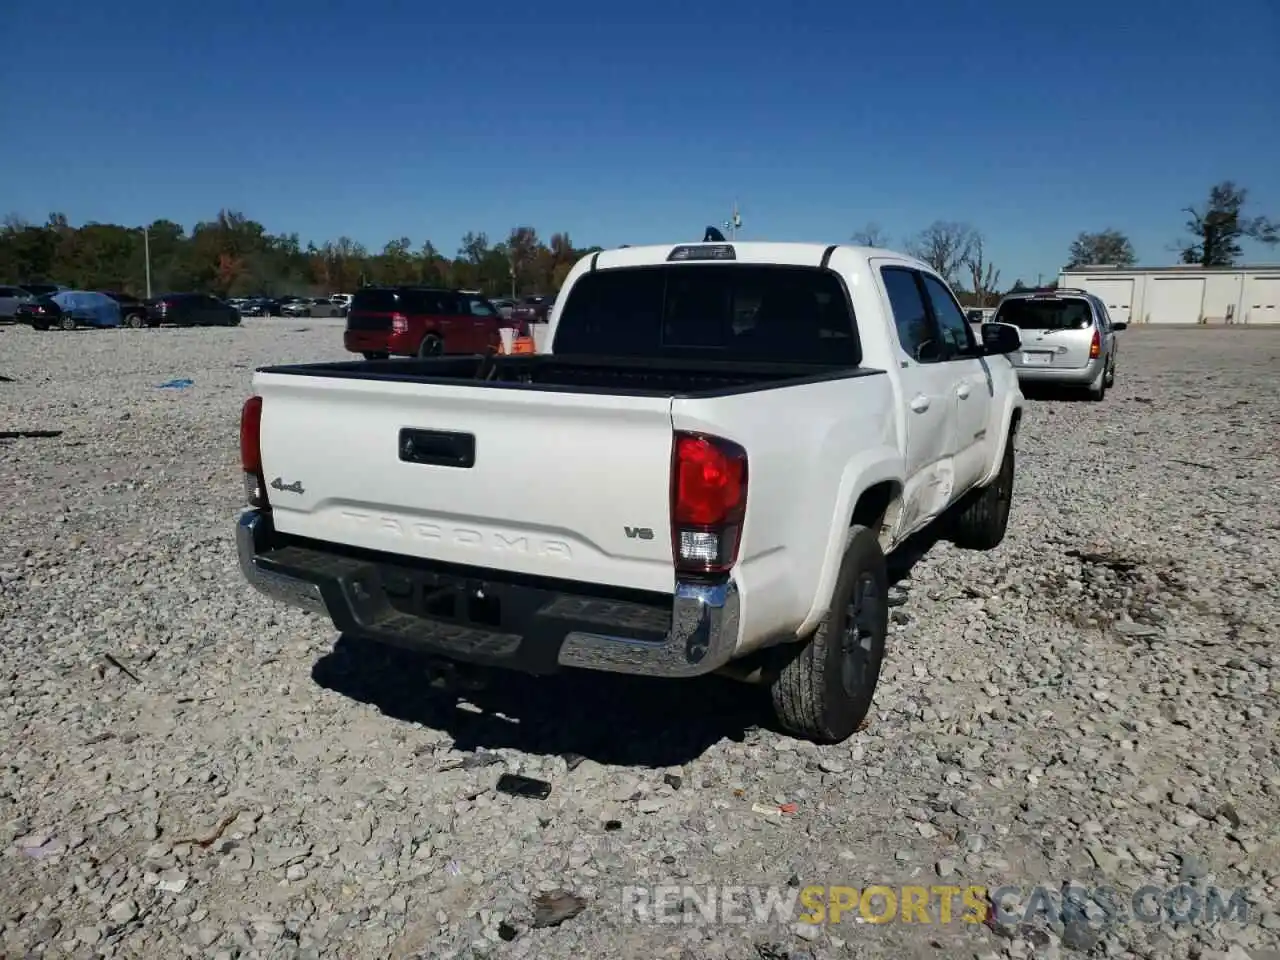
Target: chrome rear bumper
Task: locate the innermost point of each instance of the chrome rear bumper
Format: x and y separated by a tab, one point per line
538	629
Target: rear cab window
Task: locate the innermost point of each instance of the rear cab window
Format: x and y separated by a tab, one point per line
1046	313
720	312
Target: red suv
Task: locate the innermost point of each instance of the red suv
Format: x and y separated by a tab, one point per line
421	322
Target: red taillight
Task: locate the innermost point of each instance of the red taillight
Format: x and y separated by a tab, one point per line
399	323
708	502
251	452
1095	346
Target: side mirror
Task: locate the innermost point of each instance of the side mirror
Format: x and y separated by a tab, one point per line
1119	324
999	339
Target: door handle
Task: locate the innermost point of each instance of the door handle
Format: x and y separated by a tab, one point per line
920	403
963	391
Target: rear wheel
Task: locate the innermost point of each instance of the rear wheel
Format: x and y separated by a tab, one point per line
825	688
67	323
134	321
431	346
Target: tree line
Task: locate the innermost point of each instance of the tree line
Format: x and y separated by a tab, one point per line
232	255
1214	231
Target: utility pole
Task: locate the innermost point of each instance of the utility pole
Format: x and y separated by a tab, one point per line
734	222
146	251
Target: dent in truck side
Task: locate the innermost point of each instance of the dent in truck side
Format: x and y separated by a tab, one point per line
908	484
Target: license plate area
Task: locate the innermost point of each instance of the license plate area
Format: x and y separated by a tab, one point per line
440	597
1037	358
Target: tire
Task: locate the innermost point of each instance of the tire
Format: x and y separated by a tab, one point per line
134	321
825	689
431	346
980	524
375	356
1110	380
67	323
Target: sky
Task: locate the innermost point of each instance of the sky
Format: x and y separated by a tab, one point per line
639	123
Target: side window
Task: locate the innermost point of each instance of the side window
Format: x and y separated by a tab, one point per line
422	303
915	330
957	335
8	292
478	308
1104	318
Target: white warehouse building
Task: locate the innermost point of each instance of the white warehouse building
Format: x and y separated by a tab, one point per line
1190	294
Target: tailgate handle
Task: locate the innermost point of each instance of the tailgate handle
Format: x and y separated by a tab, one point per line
439	448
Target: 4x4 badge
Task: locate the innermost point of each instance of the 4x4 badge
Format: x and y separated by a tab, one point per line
295	487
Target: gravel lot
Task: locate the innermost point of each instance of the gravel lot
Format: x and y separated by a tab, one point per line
189	770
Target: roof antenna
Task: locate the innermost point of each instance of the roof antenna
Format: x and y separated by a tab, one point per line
713	236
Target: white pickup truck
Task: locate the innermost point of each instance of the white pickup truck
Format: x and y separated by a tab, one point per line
703	473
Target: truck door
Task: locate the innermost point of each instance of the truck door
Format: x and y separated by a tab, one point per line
971	389
928	384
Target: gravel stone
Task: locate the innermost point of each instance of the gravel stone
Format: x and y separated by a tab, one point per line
191	770
123	912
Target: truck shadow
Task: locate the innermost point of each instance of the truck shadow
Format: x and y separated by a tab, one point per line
609	718
902	561
628	721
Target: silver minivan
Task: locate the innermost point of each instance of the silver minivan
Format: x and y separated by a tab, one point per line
1068	339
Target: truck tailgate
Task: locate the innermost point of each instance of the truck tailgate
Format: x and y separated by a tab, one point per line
574	486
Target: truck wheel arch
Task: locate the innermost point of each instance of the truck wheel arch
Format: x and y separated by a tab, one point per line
870	495
1007	437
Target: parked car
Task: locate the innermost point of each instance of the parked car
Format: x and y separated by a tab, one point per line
133	311
260	307
10	299
775	418
311	307
39	313
191	310
422	322
1068	338
533	309
504	306
69	309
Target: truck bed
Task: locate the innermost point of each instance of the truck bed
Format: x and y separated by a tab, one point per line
583	374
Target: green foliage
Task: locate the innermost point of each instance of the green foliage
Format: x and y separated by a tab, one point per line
232	255
1108	246
1217	228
